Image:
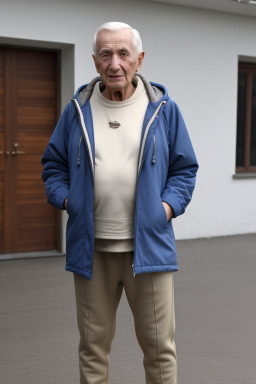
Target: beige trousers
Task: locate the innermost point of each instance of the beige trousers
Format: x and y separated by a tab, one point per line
151	299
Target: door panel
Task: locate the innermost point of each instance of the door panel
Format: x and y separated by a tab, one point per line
29	223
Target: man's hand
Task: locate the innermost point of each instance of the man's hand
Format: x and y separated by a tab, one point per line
168	210
65	203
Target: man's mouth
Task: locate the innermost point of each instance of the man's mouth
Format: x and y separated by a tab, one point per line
115	77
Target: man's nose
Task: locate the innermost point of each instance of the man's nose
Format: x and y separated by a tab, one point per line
115	63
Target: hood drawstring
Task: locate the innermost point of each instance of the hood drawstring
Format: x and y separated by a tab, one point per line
78	162
154	151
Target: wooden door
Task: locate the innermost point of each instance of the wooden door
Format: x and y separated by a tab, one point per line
28	114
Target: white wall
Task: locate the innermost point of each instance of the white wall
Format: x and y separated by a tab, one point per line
195	54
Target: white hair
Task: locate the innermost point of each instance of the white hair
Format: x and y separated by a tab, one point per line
114	26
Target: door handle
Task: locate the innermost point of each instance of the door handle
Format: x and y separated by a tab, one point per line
16	151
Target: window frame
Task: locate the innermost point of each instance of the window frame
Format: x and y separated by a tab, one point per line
250	70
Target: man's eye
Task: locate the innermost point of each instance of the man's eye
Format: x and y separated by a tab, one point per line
124	54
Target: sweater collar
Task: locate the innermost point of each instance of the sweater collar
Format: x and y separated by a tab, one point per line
154	93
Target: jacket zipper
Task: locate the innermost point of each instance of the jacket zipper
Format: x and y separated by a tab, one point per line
155	115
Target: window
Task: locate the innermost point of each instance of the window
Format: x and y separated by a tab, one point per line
246	119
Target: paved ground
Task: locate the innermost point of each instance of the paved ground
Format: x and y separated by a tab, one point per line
215	292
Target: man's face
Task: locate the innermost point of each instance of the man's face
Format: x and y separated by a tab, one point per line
116	59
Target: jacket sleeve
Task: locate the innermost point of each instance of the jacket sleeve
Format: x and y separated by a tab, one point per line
183	164
55	162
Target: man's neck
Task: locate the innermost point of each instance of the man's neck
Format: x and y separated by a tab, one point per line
119	95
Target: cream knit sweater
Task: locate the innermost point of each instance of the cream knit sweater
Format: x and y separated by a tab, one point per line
116	163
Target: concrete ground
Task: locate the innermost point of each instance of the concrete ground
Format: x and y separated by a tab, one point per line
215	298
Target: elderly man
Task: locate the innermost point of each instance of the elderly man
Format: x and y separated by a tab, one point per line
121	163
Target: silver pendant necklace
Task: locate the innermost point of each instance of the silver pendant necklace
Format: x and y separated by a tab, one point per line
114	124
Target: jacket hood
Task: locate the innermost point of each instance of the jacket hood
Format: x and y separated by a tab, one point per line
154	91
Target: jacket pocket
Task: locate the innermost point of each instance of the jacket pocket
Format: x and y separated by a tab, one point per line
68	209
163	216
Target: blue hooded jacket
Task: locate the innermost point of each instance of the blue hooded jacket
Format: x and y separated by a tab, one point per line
166	172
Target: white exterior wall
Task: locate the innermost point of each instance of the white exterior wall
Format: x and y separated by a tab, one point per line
194	53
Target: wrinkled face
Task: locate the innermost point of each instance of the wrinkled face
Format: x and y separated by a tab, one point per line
116	59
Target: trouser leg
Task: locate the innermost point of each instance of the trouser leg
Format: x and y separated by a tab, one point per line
151	298
96	303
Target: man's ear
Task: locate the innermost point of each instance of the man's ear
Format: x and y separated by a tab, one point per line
140	60
95	63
